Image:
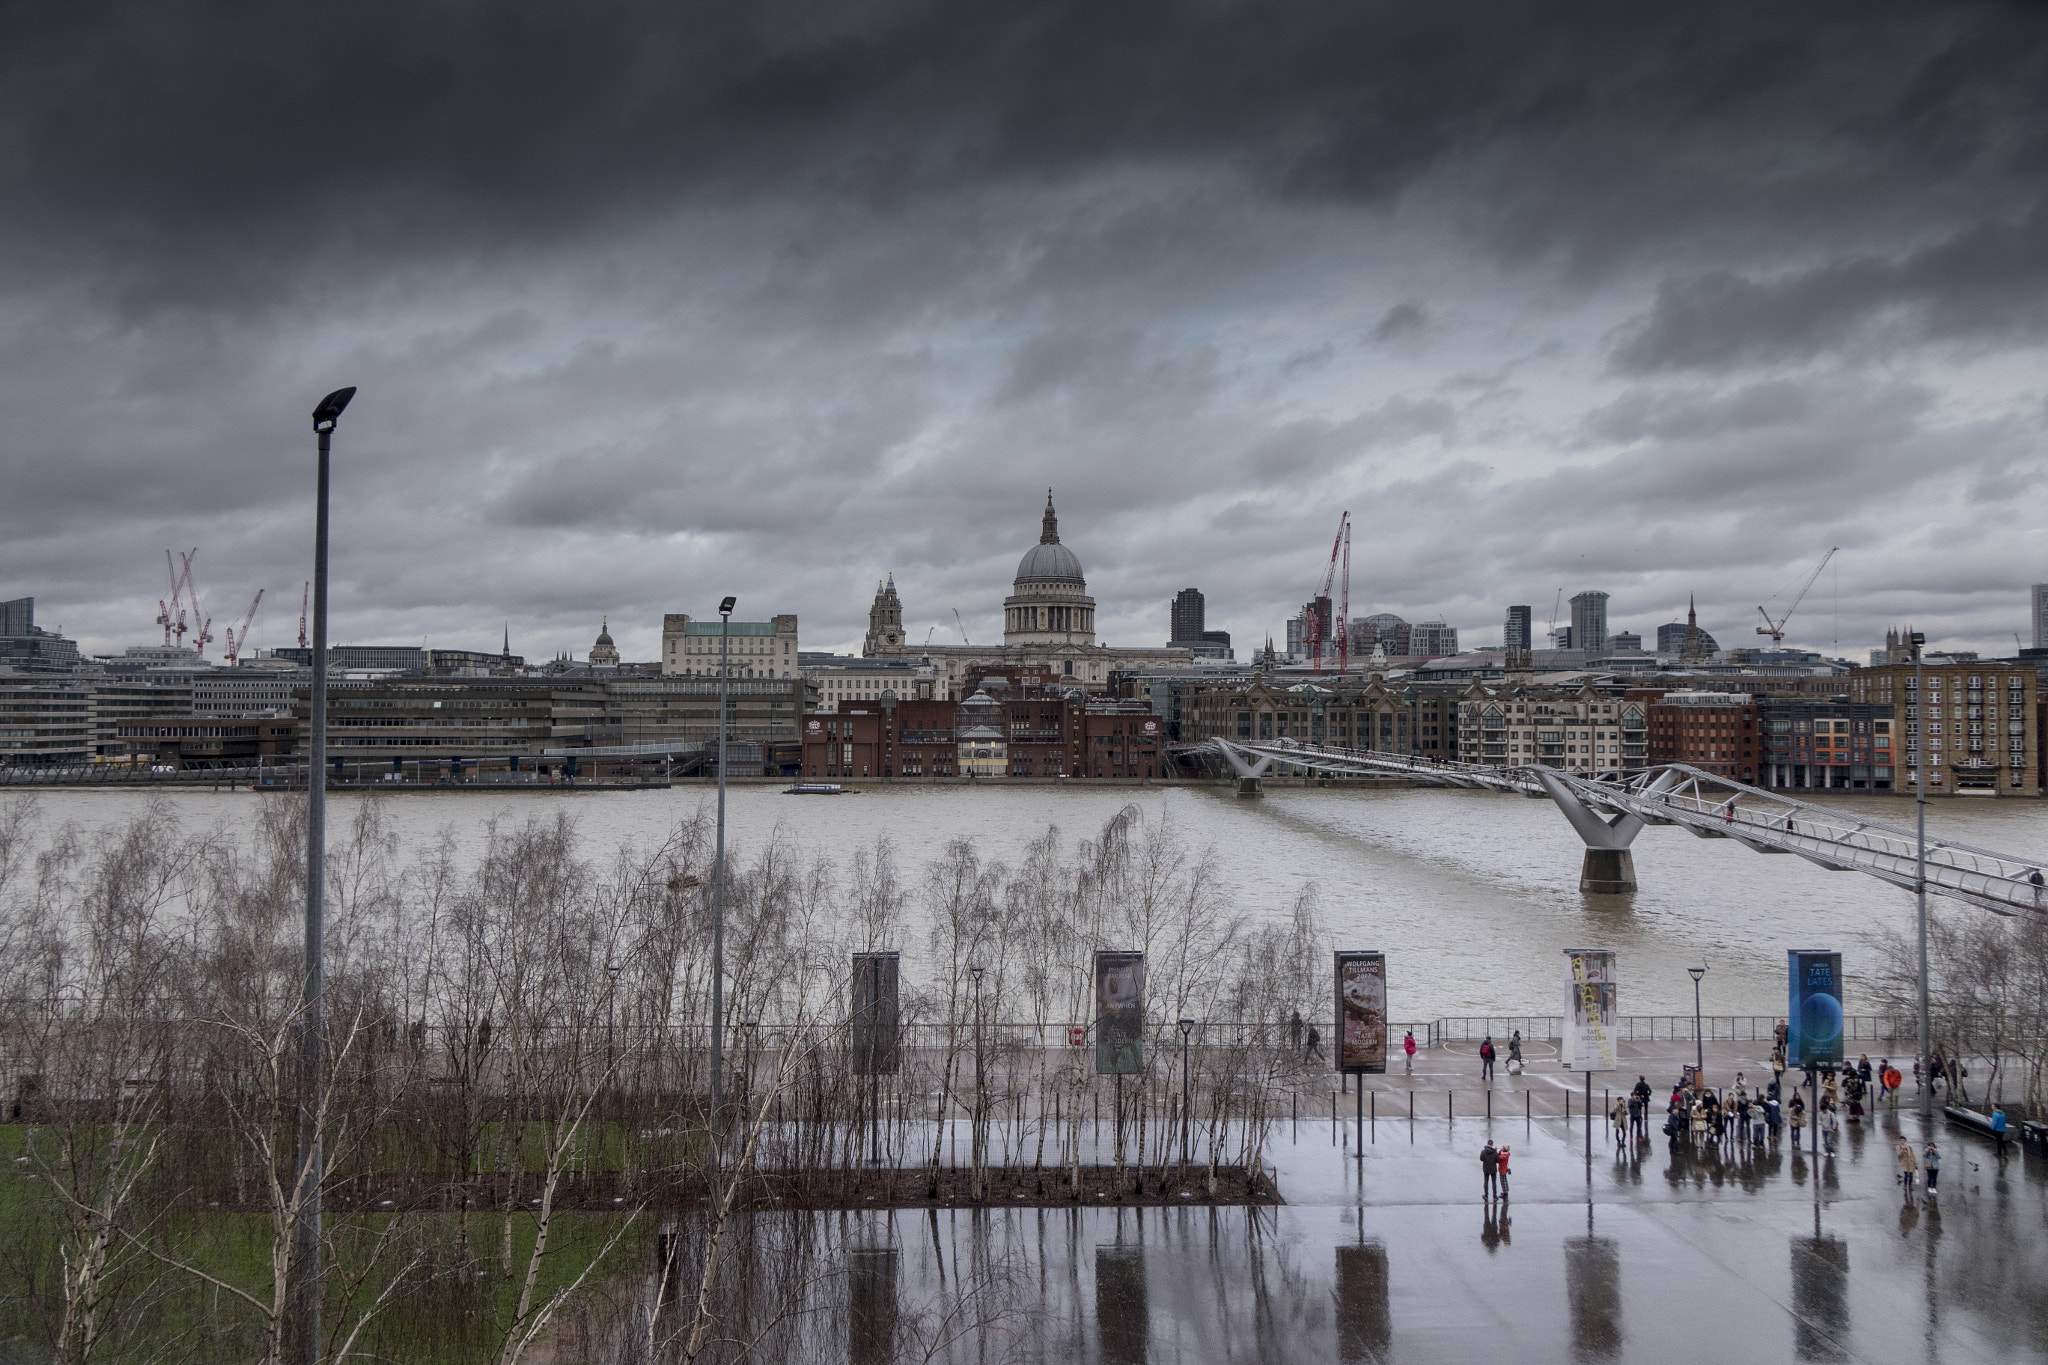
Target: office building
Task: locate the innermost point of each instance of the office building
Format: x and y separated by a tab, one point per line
1589	623
1624	642
26	648
1186	621
1579	729
2040	605
1515	631
1432	640
755	649
1671	638
1827	744
45	722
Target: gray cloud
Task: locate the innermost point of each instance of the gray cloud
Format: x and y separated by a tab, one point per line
665	301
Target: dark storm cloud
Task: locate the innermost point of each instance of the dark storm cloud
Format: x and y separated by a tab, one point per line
649	295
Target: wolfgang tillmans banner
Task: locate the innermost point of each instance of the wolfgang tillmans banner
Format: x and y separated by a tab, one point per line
1589	1027
1815	1015
1119	1013
1362	1012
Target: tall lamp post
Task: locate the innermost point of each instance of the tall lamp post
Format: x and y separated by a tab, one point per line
718	900
1187	1026
1919	732
1699	1042
307	1252
980	1086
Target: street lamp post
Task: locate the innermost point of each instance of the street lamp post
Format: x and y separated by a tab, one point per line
718	901
1187	1026
1920	879
311	1061
1699	1042
980	1085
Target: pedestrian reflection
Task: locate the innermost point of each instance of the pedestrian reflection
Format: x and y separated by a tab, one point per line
871	1305
1489	1229
1364	1326
1820	1298
1120	1312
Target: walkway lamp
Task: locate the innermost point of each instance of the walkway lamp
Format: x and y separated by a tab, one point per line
718	905
311	1062
1918	730
1187	1026
1699	1045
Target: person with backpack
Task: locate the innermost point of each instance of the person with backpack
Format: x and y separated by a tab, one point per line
1486	1058
1408	1047
1998	1129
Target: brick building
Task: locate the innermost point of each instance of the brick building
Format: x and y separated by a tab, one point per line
1713	731
1981	725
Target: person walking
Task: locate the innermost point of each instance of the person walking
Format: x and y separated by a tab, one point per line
1315	1044
1515	1053
1618	1116
1908	1165
1489	1170
1892	1082
1884	1069
1830	1127
1408	1047
1486	1058
1783	1035
1930	1161
1998	1128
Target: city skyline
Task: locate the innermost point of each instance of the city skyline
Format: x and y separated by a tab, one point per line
1658	306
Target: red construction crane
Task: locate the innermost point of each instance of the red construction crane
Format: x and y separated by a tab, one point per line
1318	628
1776	629
238	637
305	595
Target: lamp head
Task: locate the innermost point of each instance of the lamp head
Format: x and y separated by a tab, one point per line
329	411
1697	972
1187	1026
725	606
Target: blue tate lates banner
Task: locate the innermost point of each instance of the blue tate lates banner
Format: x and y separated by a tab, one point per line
1815	1016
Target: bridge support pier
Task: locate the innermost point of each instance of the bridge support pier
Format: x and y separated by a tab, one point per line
1249	787
1608	872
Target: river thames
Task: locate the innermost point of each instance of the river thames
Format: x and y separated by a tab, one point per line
1472	895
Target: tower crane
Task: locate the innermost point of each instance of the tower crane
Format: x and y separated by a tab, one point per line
238	636
167	608
305	594
963	627
202	624
1555	608
1776	629
1319	629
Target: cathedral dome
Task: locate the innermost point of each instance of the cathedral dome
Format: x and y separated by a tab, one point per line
1054	561
1049	561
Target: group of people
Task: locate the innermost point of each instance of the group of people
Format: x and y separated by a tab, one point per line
1740	1117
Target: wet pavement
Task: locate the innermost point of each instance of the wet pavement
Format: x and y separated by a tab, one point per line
1642	1253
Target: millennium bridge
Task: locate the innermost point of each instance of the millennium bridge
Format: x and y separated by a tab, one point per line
1608	812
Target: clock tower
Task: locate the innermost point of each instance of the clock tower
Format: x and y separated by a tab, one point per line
885	622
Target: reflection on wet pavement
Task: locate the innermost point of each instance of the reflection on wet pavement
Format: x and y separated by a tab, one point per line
1592	1277
1364	1329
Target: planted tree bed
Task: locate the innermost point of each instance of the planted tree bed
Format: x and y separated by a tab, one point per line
916	1188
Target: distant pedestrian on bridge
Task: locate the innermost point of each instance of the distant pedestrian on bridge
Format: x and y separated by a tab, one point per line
1486	1058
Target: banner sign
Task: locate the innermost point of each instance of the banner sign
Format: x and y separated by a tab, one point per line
1119	1013
874	1014
1815	1017
1589	1026
1362	1012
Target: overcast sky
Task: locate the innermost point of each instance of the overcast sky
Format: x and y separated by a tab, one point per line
649	304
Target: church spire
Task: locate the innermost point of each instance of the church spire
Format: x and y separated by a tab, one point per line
1049	534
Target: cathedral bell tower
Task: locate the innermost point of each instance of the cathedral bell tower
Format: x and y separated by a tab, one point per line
885	623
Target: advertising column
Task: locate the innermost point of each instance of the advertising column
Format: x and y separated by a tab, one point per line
1362	1012
1815	1017
1589	1026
